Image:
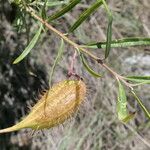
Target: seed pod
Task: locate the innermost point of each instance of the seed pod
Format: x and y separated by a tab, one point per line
54	107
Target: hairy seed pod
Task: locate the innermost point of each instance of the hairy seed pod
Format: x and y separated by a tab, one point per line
54	107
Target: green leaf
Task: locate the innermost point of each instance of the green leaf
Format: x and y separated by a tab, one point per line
141	104
29	47
126	42
43	10
58	57
64	10
109	29
123	114
139	79
85	15
50	4
109	37
88	68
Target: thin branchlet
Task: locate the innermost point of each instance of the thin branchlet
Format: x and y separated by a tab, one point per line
78	47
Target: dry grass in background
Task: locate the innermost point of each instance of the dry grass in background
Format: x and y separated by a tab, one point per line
96	125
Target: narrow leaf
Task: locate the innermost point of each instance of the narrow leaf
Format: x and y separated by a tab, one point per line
109	37
123	114
88	68
43	11
50	4
29	47
141	104
64	10
58	57
85	15
109	29
126	42
139	79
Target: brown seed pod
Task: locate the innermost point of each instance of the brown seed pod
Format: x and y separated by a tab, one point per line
54	107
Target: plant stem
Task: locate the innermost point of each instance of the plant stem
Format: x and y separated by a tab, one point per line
71	70
78	47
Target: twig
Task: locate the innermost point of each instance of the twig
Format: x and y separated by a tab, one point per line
78	47
71	70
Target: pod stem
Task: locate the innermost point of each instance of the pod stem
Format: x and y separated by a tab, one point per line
16	127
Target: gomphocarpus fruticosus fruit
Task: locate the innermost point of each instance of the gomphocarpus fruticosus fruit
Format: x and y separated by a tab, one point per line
54	107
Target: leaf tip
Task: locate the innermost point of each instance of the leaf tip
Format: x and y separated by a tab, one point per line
15	62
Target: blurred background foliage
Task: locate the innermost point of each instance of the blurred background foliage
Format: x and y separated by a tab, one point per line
96	125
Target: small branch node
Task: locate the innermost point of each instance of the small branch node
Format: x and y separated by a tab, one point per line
100	61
